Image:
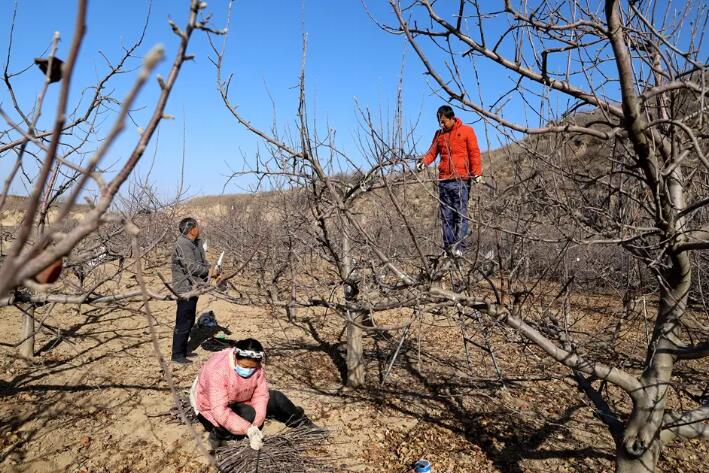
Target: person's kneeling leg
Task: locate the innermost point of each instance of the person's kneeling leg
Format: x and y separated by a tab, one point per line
283	410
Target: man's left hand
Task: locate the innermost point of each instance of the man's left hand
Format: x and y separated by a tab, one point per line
476	179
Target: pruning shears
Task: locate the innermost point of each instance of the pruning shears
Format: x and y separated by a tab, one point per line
218	266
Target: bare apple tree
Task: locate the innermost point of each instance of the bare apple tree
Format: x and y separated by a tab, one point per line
66	163
62	163
611	152
344	227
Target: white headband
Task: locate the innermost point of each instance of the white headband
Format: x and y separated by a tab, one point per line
257	355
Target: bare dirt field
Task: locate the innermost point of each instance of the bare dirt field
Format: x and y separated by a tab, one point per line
95	400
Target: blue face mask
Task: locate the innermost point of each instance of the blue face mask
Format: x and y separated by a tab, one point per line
244	372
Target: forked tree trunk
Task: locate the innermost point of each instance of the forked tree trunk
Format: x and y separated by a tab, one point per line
628	461
641	443
640	446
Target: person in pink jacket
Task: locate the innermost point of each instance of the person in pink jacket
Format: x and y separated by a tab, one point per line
232	399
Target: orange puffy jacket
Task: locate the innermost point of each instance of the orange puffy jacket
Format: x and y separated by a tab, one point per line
460	154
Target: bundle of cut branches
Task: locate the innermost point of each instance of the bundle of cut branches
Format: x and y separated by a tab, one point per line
174	414
294	450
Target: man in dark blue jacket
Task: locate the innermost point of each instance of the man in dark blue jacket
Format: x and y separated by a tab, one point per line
189	269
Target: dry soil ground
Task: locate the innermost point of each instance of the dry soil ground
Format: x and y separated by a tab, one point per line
94	399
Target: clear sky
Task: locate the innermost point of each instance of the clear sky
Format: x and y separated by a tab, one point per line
350	60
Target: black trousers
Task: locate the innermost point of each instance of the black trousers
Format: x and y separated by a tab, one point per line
279	407
184	320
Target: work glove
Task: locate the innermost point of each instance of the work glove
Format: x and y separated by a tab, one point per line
255	437
420	166
476	179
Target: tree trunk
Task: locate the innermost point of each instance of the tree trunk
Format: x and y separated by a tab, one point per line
355	358
27	345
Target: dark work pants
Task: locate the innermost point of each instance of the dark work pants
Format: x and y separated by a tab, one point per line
454	196
279	407
184	320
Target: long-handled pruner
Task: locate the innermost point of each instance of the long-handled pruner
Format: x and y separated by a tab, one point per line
218	267
258	458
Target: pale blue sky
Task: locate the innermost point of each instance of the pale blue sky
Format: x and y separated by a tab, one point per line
349	59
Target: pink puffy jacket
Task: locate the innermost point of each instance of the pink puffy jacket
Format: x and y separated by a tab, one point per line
218	386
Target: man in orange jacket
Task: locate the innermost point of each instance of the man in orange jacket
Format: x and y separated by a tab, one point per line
459	167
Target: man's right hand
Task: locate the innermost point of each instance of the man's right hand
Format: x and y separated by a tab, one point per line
255	437
420	166
476	179
214	271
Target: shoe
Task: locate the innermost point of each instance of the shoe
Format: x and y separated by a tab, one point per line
297	417
301	420
191	355
181	361
309	424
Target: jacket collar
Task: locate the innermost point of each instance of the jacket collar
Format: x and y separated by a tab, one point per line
194	242
456	125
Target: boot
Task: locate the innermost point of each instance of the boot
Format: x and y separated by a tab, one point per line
315	428
296	418
302	420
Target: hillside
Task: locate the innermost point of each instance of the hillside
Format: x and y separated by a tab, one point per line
12	213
